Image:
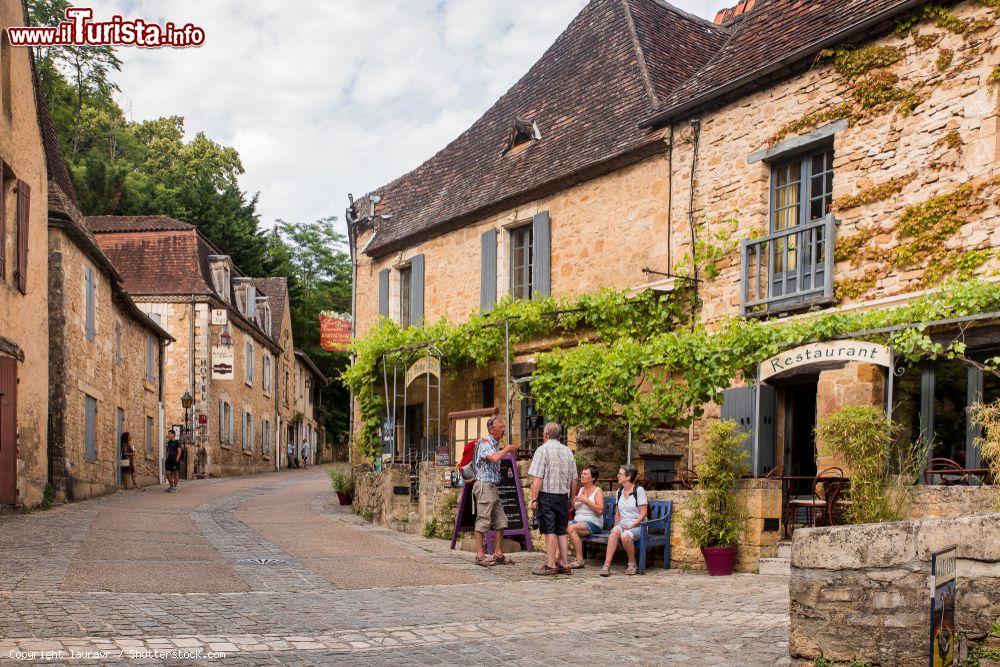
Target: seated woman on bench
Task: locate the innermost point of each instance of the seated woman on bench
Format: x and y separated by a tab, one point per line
589	517
630	511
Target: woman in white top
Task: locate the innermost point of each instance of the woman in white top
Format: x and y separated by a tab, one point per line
630	511
589	517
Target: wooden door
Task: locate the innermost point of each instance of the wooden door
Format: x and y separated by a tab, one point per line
8	431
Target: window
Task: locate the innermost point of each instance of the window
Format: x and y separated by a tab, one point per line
266	365
520	262
265	434
150	358
802	192
90	305
118	343
405	293
225	422
265	317
522	133
247	431
248	362
149	436
486	389
23	192
90	427
286	387
3	220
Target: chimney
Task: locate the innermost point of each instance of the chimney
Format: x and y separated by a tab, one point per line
727	15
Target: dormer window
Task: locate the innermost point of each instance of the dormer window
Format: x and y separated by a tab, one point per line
264	316
221	275
521	135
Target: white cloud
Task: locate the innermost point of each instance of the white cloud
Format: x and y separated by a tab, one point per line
322	98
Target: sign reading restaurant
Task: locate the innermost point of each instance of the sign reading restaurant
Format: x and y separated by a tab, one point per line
838	351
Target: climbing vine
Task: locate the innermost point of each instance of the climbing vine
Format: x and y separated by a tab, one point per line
879	192
995	75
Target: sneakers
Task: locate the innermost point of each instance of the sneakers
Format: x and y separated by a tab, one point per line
545	571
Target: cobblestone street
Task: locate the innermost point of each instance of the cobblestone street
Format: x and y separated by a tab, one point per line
268	570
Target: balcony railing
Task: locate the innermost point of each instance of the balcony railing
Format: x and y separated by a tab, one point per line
789	268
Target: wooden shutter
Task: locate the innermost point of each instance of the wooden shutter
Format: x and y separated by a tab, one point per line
383	293
738	406
90	426
8	430
222	421
541	239
417	290
3	220
488	271
90	306
23	206
229	416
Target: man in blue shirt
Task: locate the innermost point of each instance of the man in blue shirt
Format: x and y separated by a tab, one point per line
489	510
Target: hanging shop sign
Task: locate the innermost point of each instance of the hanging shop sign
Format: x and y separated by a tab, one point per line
831	352
223	358
334	331
943	580
220	317
423	366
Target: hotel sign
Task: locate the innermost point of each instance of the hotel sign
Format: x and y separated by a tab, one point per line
830	352
422	366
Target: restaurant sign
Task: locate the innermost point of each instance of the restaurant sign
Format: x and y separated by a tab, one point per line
223	357
943	635
334	331
830	352
423	366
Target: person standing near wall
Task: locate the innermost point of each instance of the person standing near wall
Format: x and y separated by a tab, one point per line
490	514
554	470
172	464
127	461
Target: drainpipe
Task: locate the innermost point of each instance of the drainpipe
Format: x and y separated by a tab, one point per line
696	129
670	201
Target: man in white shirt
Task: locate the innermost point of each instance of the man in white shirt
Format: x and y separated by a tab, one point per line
554	469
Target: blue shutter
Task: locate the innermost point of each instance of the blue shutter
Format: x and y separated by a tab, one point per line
488	271
541	239
417	290
89	282
738	406
90	426
383	293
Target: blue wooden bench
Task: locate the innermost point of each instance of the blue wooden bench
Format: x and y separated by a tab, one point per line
654	531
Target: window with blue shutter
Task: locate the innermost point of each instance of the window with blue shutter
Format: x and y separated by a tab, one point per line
541	273
90	427
150	358
417	290
90	304
383	293
149	436
118	343
488	271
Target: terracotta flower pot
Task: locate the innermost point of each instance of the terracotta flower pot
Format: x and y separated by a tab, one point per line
345	498
720	560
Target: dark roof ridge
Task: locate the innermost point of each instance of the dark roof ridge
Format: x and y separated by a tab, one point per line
688	15
311	364
640	57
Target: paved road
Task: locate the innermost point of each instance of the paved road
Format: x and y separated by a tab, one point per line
267	570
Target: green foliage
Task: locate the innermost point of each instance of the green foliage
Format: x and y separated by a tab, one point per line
953	139
994	75
442	525
343	482
812	120
987	417
881	467
851	63
716	515
945	18
876	193
944	59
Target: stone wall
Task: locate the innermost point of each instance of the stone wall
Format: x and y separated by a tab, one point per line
861	592
96	368
932	502
763	502
375	500
24	317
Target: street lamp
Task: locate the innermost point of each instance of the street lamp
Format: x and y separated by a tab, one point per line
186	403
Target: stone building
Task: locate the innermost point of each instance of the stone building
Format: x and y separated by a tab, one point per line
789	148
105	354
309	382
224	355
24	354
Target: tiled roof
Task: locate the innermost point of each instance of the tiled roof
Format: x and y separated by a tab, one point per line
136	223
154	262
772	37
277	290
587	95
310	364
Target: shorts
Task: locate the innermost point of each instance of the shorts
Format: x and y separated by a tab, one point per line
171	465
489	510
633	533
591	526
553	513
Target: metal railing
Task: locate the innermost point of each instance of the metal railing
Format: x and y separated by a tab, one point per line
788	268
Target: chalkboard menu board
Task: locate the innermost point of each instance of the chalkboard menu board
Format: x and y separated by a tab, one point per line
511	497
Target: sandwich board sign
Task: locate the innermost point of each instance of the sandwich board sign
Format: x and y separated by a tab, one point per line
943	582
512	499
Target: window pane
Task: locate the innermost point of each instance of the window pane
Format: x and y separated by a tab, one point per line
906	405
520	277
950	395
405	276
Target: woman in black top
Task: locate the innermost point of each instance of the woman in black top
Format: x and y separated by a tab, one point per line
128	461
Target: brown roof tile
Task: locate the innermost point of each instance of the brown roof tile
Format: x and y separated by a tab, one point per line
770	39
277	290
135	223
157	262
587	94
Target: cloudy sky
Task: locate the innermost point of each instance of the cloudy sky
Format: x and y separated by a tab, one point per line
325	98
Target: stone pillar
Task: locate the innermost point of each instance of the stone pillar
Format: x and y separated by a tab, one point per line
855	384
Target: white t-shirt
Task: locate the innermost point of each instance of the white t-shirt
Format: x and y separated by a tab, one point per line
628	508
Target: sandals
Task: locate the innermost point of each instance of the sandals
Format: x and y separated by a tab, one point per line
576	565
605	571
545	570
632	569
503	559
485	561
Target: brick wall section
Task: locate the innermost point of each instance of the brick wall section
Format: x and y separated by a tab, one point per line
82	367
861	592
24	316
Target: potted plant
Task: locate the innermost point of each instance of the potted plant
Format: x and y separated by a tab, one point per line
343	484
716	514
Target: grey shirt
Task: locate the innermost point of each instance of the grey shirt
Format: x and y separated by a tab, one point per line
554	463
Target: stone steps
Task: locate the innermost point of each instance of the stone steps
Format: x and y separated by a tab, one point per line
785	549
780	566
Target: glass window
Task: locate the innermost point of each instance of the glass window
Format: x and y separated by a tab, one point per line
150	358
149	435
405	292
520	262
802	191
951	383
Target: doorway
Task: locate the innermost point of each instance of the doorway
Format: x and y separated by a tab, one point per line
8	431
800	426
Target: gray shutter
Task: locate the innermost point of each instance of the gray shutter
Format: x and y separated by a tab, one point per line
90	305
766	440
417	290
738	406
222	421
488	271
383	293
541	239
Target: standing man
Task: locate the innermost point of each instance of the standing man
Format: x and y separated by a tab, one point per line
489	510
554	485
291	454
305	452
172	464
